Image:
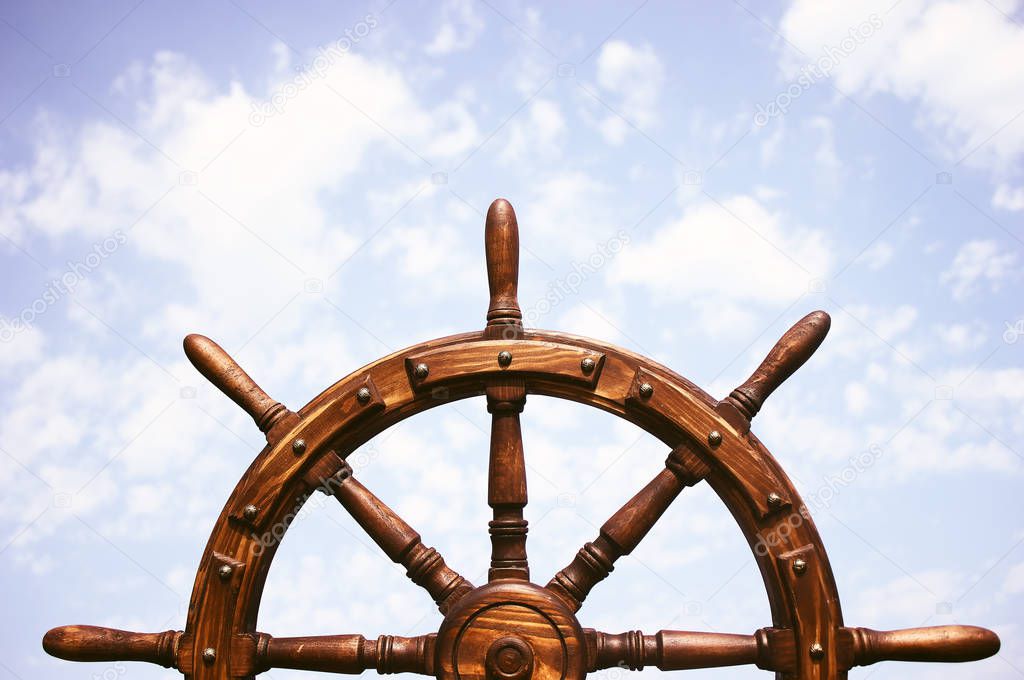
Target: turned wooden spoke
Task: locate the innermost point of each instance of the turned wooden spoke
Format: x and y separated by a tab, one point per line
251	654
96	643
792	350
511	628
506	483
774	649
399	541
219	368
350	654
624	530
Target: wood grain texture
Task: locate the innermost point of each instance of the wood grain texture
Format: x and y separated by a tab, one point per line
792	350
424	565
624	530
349	654
510	629
226	375
501	247
506	482
948	644
674	650
96	643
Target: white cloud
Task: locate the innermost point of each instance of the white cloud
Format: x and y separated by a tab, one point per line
878	255
461	25
977	265
1008	198
633	76
961	337
538	134
738	251
951	56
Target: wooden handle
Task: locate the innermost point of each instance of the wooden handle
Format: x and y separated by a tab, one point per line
624	530
951	644
346	654
501	243
674	650
399	541
219	368
792	350
95	643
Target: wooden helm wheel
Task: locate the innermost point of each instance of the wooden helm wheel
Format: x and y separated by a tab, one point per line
510	628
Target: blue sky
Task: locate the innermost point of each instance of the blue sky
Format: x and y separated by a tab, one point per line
306	184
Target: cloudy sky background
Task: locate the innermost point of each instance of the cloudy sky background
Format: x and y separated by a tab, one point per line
204	167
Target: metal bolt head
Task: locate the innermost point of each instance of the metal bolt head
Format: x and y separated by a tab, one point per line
421	371
714	438
646	390
299	447
209	655
250	511
225	572
363	395
817	652
774	500
588	365
799	567
504	359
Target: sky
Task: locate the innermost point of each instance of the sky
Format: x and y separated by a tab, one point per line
306	183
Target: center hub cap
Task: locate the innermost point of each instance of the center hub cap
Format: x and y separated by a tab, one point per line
510	630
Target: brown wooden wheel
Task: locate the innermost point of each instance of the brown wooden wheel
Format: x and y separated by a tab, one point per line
511	628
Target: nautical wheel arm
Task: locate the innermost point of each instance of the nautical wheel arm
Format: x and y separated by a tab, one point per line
482	632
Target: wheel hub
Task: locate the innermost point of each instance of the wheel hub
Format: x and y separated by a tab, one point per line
510	630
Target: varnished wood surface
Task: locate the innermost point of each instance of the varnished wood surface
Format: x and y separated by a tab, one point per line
509	628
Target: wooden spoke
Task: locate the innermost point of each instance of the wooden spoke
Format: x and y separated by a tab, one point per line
350	654
399	541
95	643
219	368
673	650
950	644
792	350
250	654
624	530
506	482
775	649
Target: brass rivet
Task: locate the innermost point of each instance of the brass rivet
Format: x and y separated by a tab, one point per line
588	365
225	572
299	447
421	371
799	566
209	655
817	651
646	390
250	511
363	395
504	358
774	500
714	438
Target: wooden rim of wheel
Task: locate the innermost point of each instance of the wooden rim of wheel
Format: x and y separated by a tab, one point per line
707	440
